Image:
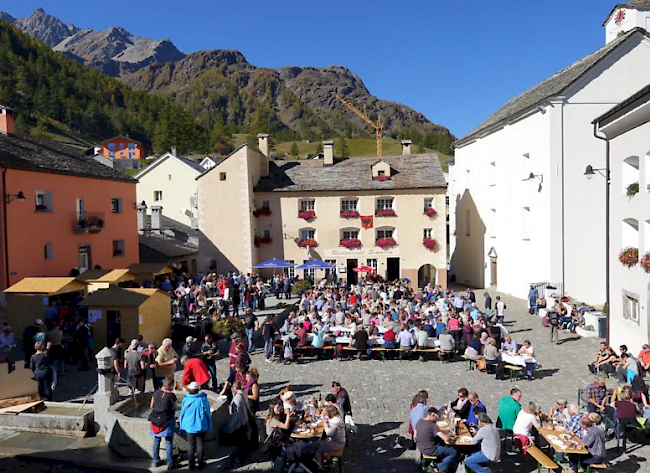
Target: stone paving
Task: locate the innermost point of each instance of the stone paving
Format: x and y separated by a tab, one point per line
381	393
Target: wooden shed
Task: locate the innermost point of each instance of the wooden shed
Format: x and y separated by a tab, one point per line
28	299
127	313
147	272
113	278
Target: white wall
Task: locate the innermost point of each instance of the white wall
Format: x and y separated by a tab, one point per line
633	281
560	144
633	19
176	191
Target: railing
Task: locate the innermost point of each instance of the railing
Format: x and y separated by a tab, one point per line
541	288
92	222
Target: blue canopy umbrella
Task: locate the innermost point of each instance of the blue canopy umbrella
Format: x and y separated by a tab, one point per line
274	264
315	264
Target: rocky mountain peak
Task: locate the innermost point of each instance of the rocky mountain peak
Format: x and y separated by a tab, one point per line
46	28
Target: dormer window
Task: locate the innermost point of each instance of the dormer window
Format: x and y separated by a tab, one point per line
380	171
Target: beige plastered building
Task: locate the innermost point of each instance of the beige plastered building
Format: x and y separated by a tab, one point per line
249	212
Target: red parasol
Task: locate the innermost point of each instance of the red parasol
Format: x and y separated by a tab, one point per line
364	269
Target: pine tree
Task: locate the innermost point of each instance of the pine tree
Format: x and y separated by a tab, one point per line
342	149
294	150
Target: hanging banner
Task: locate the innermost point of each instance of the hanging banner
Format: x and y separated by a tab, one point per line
367	221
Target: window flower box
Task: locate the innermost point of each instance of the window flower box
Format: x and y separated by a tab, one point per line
430	244
645	262
258	241
307	215
384	243
382	178
385	213
430	212
629	257
351	243
41	208
632	189
118	253
349	214
309	242
263	211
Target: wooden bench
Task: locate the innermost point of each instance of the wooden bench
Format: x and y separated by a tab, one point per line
542	460
425	351
332	459
470	363
512	369
382	351
596	467
425	460
442	353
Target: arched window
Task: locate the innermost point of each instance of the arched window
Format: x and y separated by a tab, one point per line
630	233
350	233
630	175
385	232
307	233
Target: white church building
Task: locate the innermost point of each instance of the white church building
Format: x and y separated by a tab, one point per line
521	210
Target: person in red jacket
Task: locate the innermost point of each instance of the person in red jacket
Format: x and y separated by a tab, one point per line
194	369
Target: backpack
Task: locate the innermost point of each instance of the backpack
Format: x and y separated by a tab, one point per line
545	321
554	318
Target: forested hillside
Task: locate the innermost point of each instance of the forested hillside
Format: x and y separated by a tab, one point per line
48	90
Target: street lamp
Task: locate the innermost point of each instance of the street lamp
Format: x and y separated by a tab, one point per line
19	197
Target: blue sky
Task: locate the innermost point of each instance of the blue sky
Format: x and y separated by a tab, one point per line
456	62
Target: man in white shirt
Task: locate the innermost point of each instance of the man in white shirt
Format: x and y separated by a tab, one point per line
500	307
405	339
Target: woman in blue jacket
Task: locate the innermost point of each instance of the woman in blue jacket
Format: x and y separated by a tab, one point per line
196	421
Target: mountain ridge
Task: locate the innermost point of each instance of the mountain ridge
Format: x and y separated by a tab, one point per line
221	88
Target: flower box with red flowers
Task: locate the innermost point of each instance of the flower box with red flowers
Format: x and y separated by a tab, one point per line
430	212
382	178
629	257
41	207
308	215
385	213
431	244
261	241
351	243
307	242
349	214
387	242
644	262
263	211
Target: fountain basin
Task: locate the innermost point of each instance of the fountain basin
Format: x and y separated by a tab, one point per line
58	418
128	428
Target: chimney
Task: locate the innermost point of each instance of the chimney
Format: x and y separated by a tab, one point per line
263	143
7	116
173	152
406	146
156	218
142	216
328	153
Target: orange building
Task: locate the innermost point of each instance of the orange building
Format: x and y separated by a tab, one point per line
60	211
124	151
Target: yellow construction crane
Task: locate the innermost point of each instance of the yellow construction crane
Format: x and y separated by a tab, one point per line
376	125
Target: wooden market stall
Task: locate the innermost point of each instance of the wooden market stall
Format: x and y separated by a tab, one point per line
28	299
113	278
147	272
127	313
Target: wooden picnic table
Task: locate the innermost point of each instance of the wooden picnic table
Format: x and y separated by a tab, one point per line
313	432
464	437
560	440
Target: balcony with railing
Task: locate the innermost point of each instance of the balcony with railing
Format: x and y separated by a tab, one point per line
89	222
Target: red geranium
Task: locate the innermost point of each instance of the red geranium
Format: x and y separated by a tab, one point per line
307	242
430	212
308	215
431	244
350	243
387	242
629	257
645	262
349	214
385	213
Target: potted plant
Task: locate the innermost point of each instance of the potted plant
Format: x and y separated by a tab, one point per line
430	244
385	213
629	257
307	215
307	242
632	189
349	214
263	211
41	207
387	242
350	243
644	262
225	328
430	212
